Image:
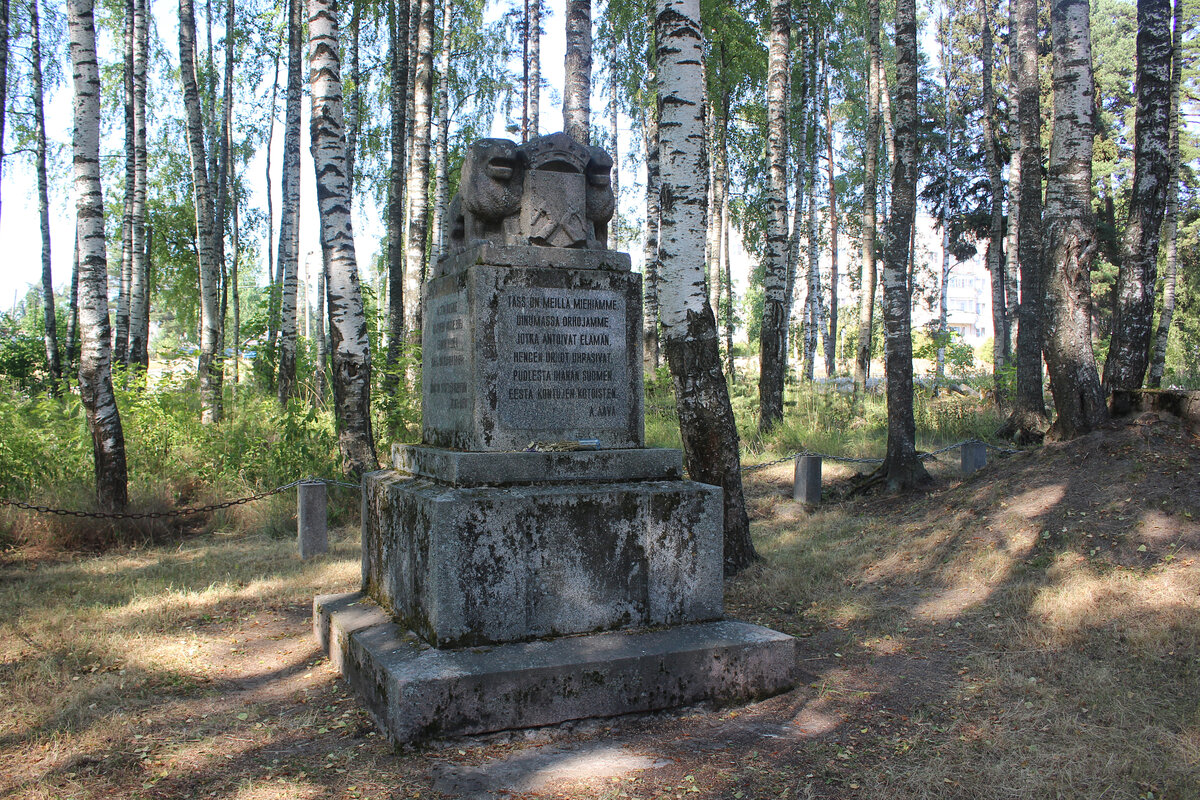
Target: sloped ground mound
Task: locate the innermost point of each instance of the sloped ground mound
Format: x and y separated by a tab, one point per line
1032	631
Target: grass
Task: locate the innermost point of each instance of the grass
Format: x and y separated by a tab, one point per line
1027	632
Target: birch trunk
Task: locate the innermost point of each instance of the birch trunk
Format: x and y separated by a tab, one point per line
4	14
1028	422
354	101
901	468
209	365
95	376
121	318
347	321
442	156
831	343
237	301
1170	222
398	12
730	364
1133	309
50	337
418	174
867	274
273	276
139	279
322	348
614	226
577	90
1000	345
73	312
773	338
535	66
224	173
1012	263
944	286
706	423
289	212
650	262
1070	228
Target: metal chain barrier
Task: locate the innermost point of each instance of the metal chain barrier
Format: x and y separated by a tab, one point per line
178	512
849	460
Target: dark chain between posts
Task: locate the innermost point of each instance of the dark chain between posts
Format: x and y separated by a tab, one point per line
178	512
848	460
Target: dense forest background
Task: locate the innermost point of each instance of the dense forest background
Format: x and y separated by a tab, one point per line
213	280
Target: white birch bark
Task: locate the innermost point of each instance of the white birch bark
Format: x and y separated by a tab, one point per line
95	376
121	317
1070	228
577	66
441	158
773	339
50	335
139	279
347	321
710	441
398	19
418	172
650	271
288	252
867	273
209	364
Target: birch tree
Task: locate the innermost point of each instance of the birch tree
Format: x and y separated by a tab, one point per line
1070	228
398	24
901	468
867	273
139	277
1027	422
288	251
418	170
95	376
50	337
347	321
1170	229
442	154
1133	308
4	15
577	90
121	318
773	338
650	263
209	363
995	246
706	423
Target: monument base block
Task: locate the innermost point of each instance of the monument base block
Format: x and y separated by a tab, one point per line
415	691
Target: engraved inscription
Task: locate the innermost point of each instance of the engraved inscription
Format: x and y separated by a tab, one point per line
561	364
445	367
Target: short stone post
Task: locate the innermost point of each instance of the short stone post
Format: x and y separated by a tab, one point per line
311	522
807	485
974	456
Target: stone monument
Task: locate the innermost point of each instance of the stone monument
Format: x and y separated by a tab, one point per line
531	561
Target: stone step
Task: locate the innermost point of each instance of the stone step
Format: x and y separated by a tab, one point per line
415	691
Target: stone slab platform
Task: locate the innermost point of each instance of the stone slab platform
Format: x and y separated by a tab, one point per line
414	691
459	468
530	256
465	566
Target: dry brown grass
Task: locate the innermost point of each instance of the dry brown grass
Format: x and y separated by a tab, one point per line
1030	632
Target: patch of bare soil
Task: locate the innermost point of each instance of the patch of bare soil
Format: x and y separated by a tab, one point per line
1030	631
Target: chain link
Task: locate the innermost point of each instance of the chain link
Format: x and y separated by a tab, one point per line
849	460
178	512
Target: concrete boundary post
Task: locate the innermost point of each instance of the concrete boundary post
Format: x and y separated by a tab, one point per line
974	457
807	485
311	518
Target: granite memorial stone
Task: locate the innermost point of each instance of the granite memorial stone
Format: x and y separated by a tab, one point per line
532	511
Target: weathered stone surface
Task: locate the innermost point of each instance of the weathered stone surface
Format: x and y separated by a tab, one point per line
807	484
514	356
501	469
550	192
529	256
415	692
468	566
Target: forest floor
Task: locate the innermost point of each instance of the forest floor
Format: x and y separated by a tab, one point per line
1030	631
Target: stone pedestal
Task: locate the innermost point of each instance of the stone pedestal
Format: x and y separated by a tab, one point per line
531	562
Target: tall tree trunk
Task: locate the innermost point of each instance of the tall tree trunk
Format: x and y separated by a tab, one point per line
1170	228
209	364
53	362
525	25
614	227
224	177
139	279
236	298
774	331
867	275
799	109
73	313
273	276
418	175
1133	309
901	468
354	100
730	364
650	261
535	66
289	211
1012	262
442	156
1070	228
322	347
577	90
831	341
706	423
121	318
95	376
4	14
398	13
1028	422
347	321
944	284
995	248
